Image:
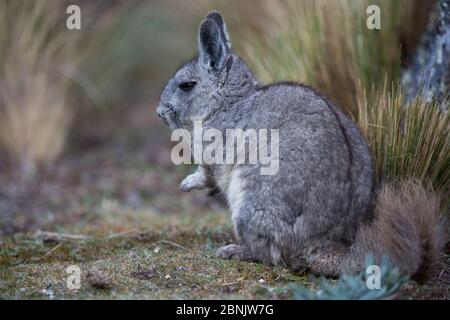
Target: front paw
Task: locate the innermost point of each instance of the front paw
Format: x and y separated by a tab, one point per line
193	181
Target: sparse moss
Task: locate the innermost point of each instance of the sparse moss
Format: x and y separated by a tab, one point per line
167	257
170	258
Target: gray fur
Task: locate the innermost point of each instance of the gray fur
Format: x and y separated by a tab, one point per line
308	214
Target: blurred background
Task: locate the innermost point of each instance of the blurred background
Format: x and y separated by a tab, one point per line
79	137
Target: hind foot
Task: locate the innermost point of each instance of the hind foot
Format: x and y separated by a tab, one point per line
232	251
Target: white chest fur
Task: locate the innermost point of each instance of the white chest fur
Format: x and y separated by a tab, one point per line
232	185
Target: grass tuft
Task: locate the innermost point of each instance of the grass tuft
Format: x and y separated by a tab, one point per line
33	87
407	140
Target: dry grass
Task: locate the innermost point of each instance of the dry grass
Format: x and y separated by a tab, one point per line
326	43
50	76
33	90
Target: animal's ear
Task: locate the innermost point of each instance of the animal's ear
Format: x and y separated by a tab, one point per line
218	19
213	43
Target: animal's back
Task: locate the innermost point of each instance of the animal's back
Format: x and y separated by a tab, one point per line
324	183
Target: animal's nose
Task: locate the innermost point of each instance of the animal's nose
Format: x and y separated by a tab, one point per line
160	111
164	109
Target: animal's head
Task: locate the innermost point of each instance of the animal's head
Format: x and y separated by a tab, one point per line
208	82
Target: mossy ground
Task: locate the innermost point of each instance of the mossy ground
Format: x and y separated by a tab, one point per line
169	258
144	255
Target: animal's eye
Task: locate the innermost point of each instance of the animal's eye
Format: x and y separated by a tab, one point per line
187	86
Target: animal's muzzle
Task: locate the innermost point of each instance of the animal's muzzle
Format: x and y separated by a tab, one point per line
165	111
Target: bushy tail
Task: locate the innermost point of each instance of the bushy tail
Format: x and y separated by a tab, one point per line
407	227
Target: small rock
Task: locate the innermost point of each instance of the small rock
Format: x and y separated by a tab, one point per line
157	249
97	278
262	280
